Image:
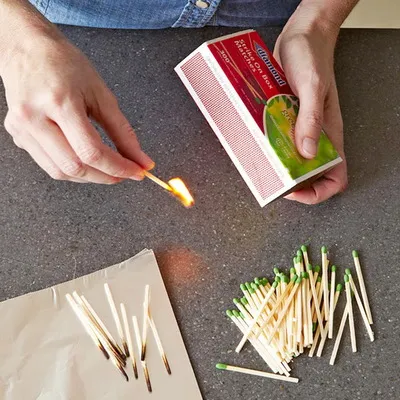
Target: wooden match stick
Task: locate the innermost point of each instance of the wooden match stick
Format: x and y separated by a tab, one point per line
159	344
258	373
117	320
339	290
339	336
315	297
351	315
305	255
325	280
104	329
136	331
362	286
146	305
332	300
105	341
82	318
304	309
129	339
158	181
257	316
360	306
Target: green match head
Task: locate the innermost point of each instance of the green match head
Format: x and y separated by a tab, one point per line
276	271
221	366
346	278
277	278
355	254
339	287
254	286
305	275
285	279
229	313
298	260
275	284
265	281
299	253
323	250
294	278
292	270
317	269
333	269
314	326
309	267
241	315
298	279
235	313
244	301
251	291
236	301
243	287
347	271
257	280
248	286
303	248
319	279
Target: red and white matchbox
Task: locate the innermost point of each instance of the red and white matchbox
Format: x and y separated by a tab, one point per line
243	93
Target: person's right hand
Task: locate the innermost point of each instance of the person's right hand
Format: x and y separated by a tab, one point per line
52	91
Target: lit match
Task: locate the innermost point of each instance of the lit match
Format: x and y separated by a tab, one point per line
176	187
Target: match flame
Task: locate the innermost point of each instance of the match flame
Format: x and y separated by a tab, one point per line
180	190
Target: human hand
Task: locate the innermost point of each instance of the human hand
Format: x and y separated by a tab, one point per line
305	50
52	93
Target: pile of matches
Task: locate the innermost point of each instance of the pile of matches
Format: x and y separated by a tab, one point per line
102	338
293	314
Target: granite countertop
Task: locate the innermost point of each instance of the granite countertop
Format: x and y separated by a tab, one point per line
53	231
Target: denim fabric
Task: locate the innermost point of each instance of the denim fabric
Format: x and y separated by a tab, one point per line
157	14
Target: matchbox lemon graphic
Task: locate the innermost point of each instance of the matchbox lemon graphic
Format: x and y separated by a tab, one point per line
280	114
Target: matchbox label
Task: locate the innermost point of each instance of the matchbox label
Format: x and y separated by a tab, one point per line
261	84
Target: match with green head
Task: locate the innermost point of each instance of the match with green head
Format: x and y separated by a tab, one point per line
319	279
265	281
241	315
221	366
285	279
305	275
251	290
303	248
229	313
276	271
298	260
298	280
299	253
257	280
244	301
277	278
309	267
236	313
294	278
243	288
254	286
236	301
339	287
275	284
323	250
248	286
347	271
333	268
355	254
317	269
346	278
292	270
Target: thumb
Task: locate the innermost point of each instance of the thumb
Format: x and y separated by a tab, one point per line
309	121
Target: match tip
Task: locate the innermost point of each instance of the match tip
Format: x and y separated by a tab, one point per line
346	278
276	271
292	270
264	281
319	279
257	280
251	290
347	271
303	248
285	279
309	267
254	286
299	253
294	278
275	284
277	278
333	268
317	268
339	287
241	315
236	301
323	249
221	366
243	287
244	301
355	254
229	313
235	313
248	286
298	279
305	275
298	259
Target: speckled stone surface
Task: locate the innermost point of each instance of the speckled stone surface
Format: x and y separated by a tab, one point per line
53	231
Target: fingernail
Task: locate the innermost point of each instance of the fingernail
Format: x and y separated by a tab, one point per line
310	147
147	161
139	176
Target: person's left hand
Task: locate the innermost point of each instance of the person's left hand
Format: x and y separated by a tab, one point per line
305	50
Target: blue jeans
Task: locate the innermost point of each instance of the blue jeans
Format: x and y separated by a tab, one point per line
157	14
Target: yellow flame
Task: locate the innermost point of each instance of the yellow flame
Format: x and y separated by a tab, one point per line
180	190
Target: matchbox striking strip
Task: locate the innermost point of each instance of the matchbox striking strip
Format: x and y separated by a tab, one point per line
243	93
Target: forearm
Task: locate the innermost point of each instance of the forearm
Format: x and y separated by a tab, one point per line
19	23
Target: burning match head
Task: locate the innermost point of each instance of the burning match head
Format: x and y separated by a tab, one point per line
303	248
317	269
339	287
346	278
333	268
355	254
221	366
180	191
323	250
347	271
